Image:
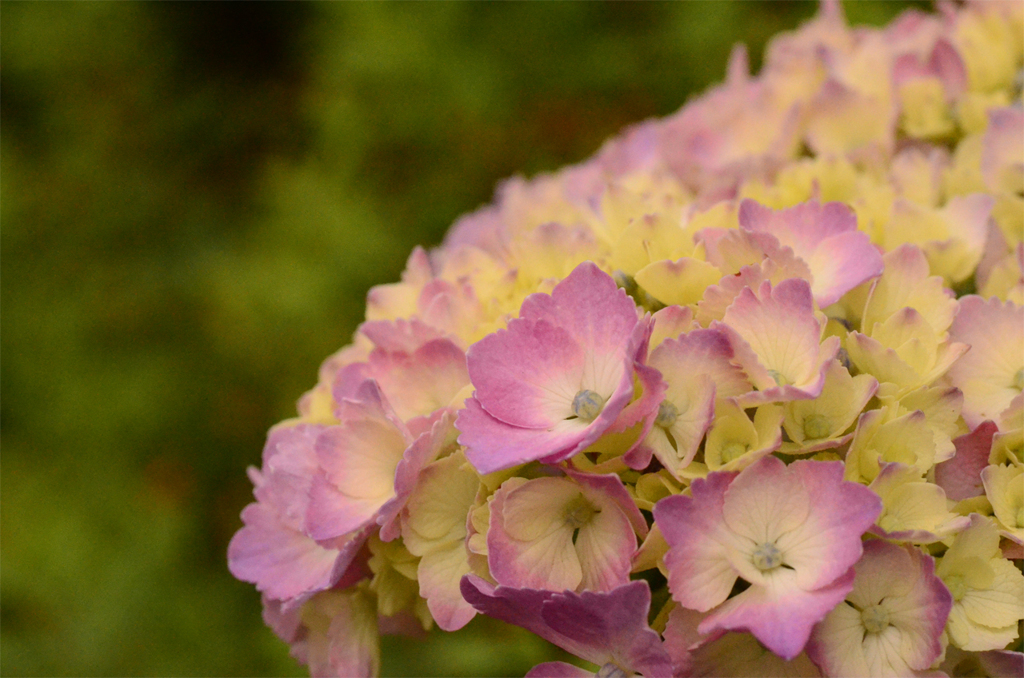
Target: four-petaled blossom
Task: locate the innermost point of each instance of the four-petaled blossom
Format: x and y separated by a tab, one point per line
558	377
890	623
791	532
987	589
563	533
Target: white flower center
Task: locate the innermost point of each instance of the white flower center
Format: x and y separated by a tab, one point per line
875	619
766	557
817	426
587	405
667	414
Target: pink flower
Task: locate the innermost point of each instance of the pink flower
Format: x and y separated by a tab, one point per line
991	374
369	464
792	533
608	629
776	337
892	619
697	367
825	237
559	377
575	532
274	550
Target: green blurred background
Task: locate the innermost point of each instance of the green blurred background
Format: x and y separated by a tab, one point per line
194	200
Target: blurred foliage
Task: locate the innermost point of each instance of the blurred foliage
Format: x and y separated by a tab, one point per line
195	199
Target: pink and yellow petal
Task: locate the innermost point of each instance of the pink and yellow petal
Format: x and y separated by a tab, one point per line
528	374
418	383
990	375
780	613
359	459
828	542
906	282
765	501
777	340
701	574
826	238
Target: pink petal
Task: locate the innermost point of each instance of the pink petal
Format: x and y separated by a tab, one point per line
422	382
701	574
825	237
358	459
283	563
601	628
781	614
960	476
399	336
986	374
829	542
492	445
591	307
558	670
527	375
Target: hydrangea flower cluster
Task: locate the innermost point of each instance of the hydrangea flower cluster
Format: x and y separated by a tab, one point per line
740	395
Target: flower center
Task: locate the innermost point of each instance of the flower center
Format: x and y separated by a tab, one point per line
1020	516
610	670
579	512
766	557
875	619
732	451
1018	380
817	426
587	405
778	377
667	414
957	587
